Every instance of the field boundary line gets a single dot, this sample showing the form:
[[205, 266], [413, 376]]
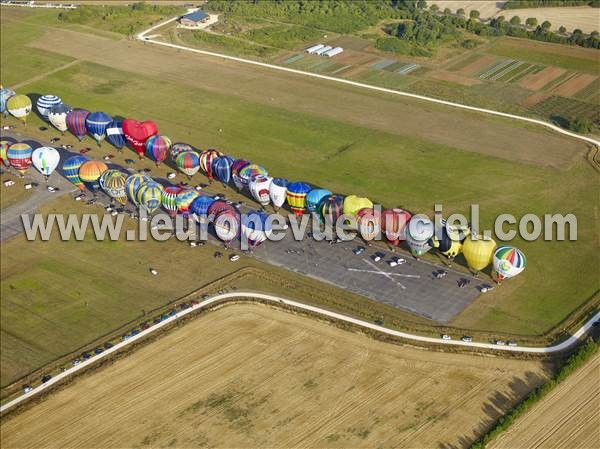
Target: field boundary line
[[44, 75], [572, 340], [142, 37]]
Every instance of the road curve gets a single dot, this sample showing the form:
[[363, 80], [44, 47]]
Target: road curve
[[573, 339], [142, 37]]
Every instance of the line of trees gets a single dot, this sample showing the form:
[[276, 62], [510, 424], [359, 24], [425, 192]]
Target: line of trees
[[517, 4]]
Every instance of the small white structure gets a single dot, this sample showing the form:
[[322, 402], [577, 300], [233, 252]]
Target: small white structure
[[314, 48], [334, 51], [322, 50]]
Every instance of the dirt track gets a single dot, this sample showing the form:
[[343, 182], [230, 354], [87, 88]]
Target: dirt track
[[250, 376], [567, 418], [464, 130]]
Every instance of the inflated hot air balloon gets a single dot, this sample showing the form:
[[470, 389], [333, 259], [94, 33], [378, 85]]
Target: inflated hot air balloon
[[451, 240], [133, 183], [227, 226], [5, 94], [71, 169], [332, 207], [207, 157], [113, 183], [76, 122], [188, 162], [45, 103], [149, 196], [250, 171], [237, 165], [368, 221], [217, 207], [19, 107], [393, 225], [4, 144], [169, 199], [259, 189], [114, 133], [90, 173], [96, 124], [296, 196], [314, 199], [478, 252], [278, 192], [19, 157], [353, 203], [508, 262], [419, 232], [178, 148], [256, 228], [157, 148], [57, 115], [184, 200], [199, 209], [222, 169], [45, 160], [137, 133]]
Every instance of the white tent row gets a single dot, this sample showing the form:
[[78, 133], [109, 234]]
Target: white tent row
[[324, 50]]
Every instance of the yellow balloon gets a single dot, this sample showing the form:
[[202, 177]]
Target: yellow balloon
[[478, 252], [353, 203]]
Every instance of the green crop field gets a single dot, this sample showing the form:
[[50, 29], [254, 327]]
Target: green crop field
[[394, 168]]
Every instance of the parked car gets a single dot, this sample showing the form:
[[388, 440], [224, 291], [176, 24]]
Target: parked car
[[171, 175], [358, 250], [75, 362], [27, 389], [135, 332], [446, 337], [85, 355], [46, 378], [467, 338], [377, 257], [98, 351], [218, 255], [108, 345], [512, 343], [440, 274], [43, 128], [80, 197], [500, 342], [234, 257]]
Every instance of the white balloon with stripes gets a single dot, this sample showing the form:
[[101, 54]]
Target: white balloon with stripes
[[45, 102]]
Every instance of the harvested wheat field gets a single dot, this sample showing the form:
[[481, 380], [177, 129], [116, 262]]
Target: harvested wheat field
[[252, 376], [569, 417], [585, 17]]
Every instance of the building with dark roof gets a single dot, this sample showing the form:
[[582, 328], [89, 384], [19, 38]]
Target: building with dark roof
[[194, 18]]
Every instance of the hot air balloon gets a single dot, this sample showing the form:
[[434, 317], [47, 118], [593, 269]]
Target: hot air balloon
[[114, 133], [256, 228], [278, 192], [332, 207], [217, 207], [57, 115], [207, 157], [259, 189], [96, 124], [450, 240], [19, 107], [222, 169], [419, 232], [137, 133], [19, 157], [71, 169], [169, 199], [368, 221], [149, 195], [296, 196], [5, 94], [478, 252], [157, 148], [184, 200], [237, 165], [76, 122], [45, 160], [250, 171], [133, 183], [199, 208], [113, 183], [227, 226], [315, 198], [393, 225], [188, 162], [90, 173], [4, 144], [178, 148], [353, 203], [508, 262], [45, 103]]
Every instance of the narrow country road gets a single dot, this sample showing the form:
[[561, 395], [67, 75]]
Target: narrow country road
[[573, 339]]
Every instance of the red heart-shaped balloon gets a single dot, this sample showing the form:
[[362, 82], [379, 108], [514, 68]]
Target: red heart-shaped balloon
[[137, 133]]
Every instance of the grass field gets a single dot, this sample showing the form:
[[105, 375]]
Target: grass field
[[339, 137], [252, 376], [13, 194], [568, 417]]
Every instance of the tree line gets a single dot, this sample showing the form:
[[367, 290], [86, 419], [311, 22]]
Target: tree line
[[518, 4]]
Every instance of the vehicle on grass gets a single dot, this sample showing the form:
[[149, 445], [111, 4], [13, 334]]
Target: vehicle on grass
[[83, 150], [379, 322], [171, 175], [98, 351], [54, 139], [198, 188], [28, 186], [135, 332], [43, 128], [125, 337], [377, 257], [484, 288], [500, 342], [114, 213], [52, 189], [75, 362], [173, 312], [462, 283], [46, 378], [446, 337], [157, 320], [440, 274], [27, 389], [359, 250], [218, 255], [9, 183], [184, 306], [512, 343], [108, 345], [80, 197], [467, 338], [153, 272], [193, 302], [129, 161], [85, 355], [234, 257]]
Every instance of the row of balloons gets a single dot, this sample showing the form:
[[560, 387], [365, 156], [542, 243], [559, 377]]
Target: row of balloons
[[143, 137]]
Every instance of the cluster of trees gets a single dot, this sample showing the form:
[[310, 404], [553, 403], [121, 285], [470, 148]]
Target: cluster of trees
[[517, 4], [584, 353]]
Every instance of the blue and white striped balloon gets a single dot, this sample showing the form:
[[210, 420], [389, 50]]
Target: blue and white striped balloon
[[96, 124], [45, 103], [114, 133]]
